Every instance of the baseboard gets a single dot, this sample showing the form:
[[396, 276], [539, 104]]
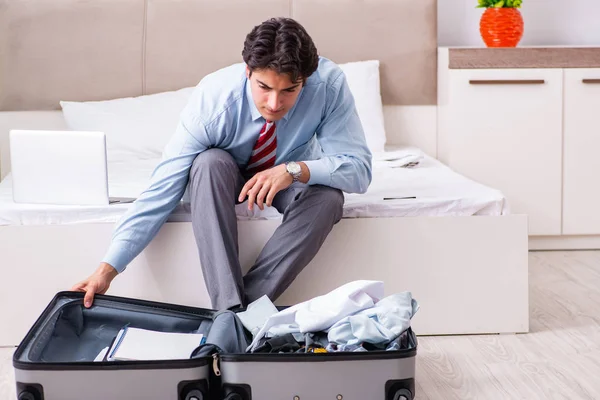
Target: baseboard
[[539, 243]]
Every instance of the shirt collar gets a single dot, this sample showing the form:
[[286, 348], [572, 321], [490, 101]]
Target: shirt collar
[[254, 111]]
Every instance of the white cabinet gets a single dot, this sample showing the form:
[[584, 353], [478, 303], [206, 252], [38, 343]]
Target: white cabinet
[[581, 192], [503, 128]]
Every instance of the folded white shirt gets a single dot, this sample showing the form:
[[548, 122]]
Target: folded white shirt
[[320, 313]]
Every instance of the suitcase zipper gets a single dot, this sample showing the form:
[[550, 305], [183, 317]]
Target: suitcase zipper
[[216, 364]]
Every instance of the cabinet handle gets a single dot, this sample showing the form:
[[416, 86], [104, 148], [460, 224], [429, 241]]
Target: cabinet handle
[[507, 81], [590, 80]]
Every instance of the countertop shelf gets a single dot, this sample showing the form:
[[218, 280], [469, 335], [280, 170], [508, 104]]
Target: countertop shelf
[[524, 57]]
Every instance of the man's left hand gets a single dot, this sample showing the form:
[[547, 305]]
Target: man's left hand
[[262, 187]]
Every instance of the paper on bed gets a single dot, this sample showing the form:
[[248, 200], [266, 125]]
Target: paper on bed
[[407, 162], [398, 158]]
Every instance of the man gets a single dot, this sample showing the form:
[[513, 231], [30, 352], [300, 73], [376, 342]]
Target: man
[[280, 129]]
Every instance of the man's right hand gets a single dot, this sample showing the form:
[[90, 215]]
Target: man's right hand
[[98, 282]]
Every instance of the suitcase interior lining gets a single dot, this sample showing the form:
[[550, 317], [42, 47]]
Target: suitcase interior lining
[[78, 334]]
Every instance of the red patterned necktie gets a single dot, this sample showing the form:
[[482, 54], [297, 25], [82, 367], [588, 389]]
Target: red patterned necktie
[[263, 154]]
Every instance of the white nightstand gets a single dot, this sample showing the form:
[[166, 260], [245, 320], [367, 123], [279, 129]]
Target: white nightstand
[[527, 122]]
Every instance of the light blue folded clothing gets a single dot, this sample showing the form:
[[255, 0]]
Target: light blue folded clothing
[[382, 323], [319, 313]]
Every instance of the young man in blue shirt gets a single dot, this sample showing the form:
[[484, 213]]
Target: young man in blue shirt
[[280, 129]]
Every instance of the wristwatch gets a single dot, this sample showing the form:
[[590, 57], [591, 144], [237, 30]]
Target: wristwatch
[[293, 168]]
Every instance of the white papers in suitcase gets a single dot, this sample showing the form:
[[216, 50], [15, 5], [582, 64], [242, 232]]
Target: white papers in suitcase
[[142, 344]]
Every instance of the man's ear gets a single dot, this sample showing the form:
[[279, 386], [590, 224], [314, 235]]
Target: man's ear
[[248, 72]]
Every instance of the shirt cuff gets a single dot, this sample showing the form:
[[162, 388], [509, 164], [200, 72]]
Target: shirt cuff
[[319, 172], [118, 257]]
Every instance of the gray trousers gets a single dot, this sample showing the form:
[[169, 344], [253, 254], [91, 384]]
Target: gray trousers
[[309, 214]]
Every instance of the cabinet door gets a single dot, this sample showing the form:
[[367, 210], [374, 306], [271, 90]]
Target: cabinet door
[[506, 133], [581, 211]]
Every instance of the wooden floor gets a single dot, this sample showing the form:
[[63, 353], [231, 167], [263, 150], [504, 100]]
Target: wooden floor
[[559, 359]]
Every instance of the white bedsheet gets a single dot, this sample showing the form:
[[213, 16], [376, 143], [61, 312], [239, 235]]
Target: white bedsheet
[[428, 189]]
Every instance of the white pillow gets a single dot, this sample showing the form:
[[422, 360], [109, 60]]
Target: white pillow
[[363, 80], [140, 127], [135, 127]]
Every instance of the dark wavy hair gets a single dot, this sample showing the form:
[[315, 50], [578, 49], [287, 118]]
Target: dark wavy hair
[[281, 44]]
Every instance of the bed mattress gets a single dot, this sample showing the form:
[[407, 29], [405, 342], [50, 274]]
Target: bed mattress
[[406, 183]]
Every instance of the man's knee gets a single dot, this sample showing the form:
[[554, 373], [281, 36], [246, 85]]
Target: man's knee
[[329, 201], [213, 161]]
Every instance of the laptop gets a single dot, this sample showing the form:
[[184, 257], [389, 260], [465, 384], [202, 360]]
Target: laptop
[[60, 167]]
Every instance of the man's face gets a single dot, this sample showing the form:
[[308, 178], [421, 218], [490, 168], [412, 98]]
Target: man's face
[[273, 94]]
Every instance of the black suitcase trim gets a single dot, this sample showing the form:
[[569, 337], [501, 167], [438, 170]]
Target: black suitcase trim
[[77, 298], [320, 357], [111, 365]]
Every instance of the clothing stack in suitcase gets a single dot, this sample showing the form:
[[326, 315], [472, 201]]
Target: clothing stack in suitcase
[[352, 343]]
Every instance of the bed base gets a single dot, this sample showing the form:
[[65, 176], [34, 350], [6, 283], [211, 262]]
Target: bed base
[[469, 274]]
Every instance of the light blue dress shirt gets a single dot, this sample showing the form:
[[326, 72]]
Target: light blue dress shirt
[[322, 129]]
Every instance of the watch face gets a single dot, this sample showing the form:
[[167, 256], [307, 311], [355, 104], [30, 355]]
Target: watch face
[[294, 168]]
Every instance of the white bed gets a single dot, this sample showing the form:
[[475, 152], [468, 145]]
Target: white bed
[[428, 189], [456, 246]]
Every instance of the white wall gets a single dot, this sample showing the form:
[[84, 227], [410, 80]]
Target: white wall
[[547, 22]]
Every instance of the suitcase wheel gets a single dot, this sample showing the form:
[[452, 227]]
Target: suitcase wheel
[[236, 392], [192, 390], [194, 395], [27, 396], [403, 394], [29, 391]]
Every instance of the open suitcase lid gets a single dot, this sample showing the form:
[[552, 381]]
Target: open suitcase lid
[[69, 336]]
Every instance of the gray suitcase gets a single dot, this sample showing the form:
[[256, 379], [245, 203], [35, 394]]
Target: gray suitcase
[[55, 360]]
